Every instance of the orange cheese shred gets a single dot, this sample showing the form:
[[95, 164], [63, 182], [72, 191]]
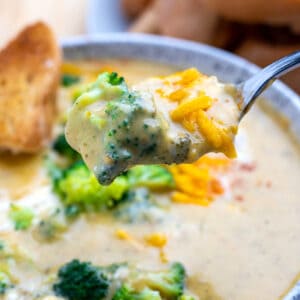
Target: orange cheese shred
[[192, 109], [199, 103], [199, 183], [156, 239]]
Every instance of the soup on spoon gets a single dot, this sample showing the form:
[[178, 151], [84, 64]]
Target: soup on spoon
[[162, 120]]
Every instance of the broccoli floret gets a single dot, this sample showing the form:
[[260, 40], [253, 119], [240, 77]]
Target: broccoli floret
[[127, 293], [81, 281], [151, 176], [68, 80], [21, 216], [120, 140], [114, 79], [108, 85], [170, 282], [61, 146], [2, 245], [54, 171], [79, 190], [5, 283], [167, 284]]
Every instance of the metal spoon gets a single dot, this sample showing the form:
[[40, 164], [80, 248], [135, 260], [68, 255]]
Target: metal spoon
[[255, 85]]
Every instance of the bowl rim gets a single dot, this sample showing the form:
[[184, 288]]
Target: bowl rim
[[181, 44], [227, 66]]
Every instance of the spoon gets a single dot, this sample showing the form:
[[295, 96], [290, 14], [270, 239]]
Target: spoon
[[115, 128], [256, 84]]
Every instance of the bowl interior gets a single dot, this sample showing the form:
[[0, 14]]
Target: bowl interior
[[226, 66]]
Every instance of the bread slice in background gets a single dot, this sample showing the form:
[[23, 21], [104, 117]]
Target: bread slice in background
[[29, 76]]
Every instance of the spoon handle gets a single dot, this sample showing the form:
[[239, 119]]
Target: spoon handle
[[255, 85]]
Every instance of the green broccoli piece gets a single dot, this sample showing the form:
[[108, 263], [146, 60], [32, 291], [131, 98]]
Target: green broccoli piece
[[54, 171], [151, 176], [186, 297], [2, 245], [166, 284], [61, 146], [81, 281], [114, 79], [79, 190], [21, 216], [107, 85], [5, 282], [68, 80], [170, 282], [127, 293], [122, 143]]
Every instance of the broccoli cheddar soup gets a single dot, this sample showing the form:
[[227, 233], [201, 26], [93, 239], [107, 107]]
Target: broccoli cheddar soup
[[218, 228], [162, 120]]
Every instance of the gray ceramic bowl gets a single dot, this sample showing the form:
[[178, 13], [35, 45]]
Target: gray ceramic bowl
[[210, 60]]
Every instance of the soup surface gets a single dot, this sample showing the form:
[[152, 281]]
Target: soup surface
[[233, 224]]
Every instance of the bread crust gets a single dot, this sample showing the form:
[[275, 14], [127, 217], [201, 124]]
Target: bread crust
[[29, 76]]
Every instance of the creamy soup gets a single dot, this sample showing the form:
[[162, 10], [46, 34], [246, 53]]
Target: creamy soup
[[233, 224], [161, 120]]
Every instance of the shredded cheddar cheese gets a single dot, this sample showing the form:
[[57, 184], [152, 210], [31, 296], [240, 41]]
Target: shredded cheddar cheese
[[215, 135], [199, 183], [122, 234], [156, 239], [188, 76], [189, 106], [193, 104], [125, 236]]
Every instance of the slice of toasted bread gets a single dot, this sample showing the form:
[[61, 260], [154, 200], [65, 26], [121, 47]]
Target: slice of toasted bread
[[29, 75]]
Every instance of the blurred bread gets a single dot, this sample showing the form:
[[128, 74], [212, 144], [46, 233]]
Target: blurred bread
[[133, 8], [187, 19], [275, 12], [260, 31], [147, 22], [29, 75]]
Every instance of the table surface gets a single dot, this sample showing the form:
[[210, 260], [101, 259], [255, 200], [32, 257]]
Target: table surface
[[66, 17]]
